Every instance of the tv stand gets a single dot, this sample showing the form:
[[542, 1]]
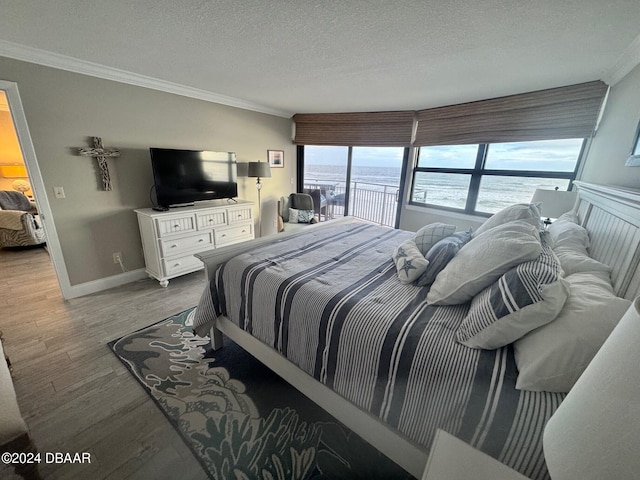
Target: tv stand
[[171, 238]]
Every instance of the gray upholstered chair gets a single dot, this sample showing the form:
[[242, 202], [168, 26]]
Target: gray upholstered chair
[[19, 222], [298, 201]]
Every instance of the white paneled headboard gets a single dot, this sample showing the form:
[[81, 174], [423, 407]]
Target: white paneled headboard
[[611, 215]]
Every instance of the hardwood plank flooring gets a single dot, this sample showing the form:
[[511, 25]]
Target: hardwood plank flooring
[[74, 394]]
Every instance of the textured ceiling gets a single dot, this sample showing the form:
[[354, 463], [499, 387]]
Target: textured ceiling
[[290, 56]]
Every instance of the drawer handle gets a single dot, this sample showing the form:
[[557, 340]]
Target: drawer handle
[[176, 226], [239, 215], [243, 231], [211, 220], [224, 234], [174, 245], [201, 240], [177, 264]]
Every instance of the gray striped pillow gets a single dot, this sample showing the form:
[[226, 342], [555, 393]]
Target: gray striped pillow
[[441, 254], [526, 297]]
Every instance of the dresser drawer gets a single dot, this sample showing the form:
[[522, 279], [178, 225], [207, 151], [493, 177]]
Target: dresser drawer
[[176, 246], [240, 214], [180, 264], [211, 219], [233, 234], [177, 224]]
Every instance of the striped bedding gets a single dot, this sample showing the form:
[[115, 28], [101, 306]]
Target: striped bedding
[[330, 301]]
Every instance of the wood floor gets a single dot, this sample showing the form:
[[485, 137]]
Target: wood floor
[[74, 394]]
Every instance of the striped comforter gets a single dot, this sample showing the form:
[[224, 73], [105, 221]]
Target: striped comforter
[[330, 301]]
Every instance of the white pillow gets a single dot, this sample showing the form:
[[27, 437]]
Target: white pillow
[[570, 216], [577, 261], [528, 212], [431, 234], [526, 297], [568, 234], [483, 260], [410, 263], [552, 357]]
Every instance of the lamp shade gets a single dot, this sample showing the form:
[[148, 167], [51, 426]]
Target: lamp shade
[[554, 202], [259, 169], [595, 433]]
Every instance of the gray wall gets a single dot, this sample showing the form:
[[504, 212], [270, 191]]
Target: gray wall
[[64, 109]]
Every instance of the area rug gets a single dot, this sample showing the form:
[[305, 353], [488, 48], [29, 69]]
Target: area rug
[[240, 419]]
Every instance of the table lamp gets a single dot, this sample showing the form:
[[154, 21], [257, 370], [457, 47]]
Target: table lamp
[[595, 433], [554, 202]]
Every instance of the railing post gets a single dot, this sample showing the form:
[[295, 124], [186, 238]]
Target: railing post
[[384, 205]]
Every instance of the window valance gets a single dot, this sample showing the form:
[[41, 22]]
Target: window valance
[[370, 129], [565, 112]]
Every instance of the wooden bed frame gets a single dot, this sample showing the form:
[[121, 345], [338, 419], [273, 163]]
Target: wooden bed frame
[[610, 214]]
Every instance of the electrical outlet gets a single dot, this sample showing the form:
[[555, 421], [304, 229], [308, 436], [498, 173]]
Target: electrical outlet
[[117, 257]]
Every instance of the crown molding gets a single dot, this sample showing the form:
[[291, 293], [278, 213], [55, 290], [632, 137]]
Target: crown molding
[[627, 62], [70, 64]]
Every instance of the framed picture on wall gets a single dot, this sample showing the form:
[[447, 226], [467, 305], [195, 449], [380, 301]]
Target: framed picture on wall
[[634, 158], [276, 158]]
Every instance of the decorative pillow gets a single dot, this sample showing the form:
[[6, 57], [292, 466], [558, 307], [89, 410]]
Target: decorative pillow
[[300, 216], [528, 212], [441, 254], [565, 233], [526, 297], [483, 260], [569, 217], [431, 234], [577, 261], [551, 358], [409, 261]]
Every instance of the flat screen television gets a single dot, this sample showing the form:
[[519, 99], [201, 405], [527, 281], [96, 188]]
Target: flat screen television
[[183, 177]]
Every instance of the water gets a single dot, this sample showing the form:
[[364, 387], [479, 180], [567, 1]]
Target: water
[[338, 173], [444, 189]]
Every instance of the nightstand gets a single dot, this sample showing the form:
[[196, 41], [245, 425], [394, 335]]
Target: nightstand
[[453, 459]]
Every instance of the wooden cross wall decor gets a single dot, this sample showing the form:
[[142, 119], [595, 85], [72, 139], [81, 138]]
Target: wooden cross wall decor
[[101, 154]]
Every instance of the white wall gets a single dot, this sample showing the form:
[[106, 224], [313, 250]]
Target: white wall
[[612, 143]]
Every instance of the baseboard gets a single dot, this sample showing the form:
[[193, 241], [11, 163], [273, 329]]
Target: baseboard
[[105, 283]]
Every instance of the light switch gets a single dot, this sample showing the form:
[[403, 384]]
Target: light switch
[[59, 192]]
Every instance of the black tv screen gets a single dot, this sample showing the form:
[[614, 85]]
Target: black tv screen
[[186, 176]]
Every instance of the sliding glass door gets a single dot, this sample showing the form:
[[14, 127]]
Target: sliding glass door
[[359, 181]]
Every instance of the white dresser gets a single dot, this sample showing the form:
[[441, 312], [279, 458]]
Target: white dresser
[[169, 239]]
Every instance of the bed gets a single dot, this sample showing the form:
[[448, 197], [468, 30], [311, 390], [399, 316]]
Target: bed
[[375, 353]]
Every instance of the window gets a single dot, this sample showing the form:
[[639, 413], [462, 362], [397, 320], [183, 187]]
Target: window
[[484, 178]]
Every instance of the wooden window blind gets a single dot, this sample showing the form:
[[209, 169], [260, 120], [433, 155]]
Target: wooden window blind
[[564, 112], [370, 129]]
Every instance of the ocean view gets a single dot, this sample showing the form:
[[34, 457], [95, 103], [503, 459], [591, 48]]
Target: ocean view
[[444, 189]]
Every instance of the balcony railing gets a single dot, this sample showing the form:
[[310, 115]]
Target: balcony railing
[[374, 202]]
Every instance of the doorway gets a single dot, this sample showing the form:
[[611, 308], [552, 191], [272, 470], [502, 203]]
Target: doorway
[[12, 104]]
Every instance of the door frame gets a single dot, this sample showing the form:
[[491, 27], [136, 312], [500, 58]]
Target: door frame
[[37, 185]]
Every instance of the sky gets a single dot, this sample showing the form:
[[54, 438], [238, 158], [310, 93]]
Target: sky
[[550, 155]]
